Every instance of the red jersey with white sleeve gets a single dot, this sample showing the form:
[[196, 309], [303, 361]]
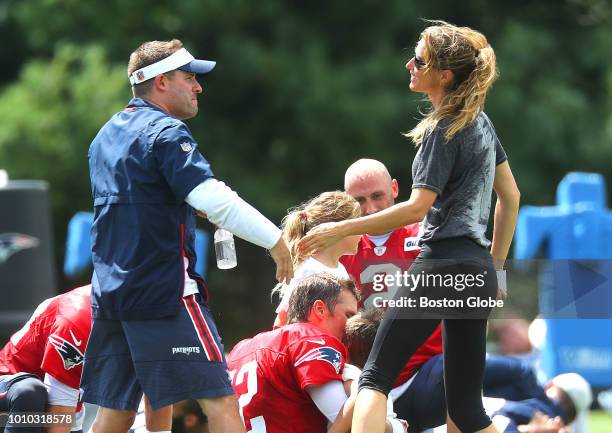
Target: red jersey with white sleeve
[[270, 373], [53, 340], [369, 266]]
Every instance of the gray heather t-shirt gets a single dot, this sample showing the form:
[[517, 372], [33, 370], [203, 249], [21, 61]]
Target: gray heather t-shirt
[[461, 171]]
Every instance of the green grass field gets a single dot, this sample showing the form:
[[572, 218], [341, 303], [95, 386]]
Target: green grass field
[[600, 422]]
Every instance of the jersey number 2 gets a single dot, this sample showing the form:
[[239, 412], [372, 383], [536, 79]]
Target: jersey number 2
[[258, 425]]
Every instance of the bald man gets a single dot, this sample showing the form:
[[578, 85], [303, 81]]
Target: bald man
[[381, 254], [370, 183]]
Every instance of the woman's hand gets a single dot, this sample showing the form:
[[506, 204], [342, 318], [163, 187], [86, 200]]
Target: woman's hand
[[282, 257], [320, 237]]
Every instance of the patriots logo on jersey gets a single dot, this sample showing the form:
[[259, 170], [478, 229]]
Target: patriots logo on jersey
[[328, 354], [70, 354], [11, 243], [379, 251]]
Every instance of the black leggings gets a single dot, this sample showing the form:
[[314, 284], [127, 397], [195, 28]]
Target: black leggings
[[401, 334]]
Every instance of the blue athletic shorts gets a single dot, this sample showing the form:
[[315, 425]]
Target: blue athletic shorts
[[170, 359], [423, 404]]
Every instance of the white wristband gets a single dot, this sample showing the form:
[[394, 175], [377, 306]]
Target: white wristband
[[501, 280]]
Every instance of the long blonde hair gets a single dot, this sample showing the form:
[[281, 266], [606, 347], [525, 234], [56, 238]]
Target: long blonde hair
[[330, 206], [469, 56]]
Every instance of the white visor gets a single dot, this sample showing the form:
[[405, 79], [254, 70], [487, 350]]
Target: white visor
[[180, 59]]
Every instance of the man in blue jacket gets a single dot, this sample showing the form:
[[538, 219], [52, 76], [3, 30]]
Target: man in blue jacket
[[152, 330]]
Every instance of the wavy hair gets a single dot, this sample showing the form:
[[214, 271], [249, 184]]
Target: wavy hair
[[469, 56], [327, 207]]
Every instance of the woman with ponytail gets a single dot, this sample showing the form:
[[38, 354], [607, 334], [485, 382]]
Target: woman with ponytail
[[326, 207], [459, 162]]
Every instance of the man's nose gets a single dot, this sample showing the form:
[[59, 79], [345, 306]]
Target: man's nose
[[368, 208]]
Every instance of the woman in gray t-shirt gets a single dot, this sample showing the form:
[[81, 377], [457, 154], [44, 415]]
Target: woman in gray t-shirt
[[459, 162]]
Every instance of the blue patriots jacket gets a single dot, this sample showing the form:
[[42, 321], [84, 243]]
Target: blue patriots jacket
[[142, 165]]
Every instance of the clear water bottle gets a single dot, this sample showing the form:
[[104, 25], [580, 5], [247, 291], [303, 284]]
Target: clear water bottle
[[225, 249]]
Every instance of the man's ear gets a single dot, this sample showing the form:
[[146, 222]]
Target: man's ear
[[318, 309], [395, 188], [160, 82]]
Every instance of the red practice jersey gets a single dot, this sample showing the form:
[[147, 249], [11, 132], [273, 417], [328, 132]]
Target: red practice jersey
[[270, 373], [53, 340], [393, 257]]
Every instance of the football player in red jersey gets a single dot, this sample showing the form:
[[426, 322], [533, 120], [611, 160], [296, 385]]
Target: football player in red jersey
[[47, 352], [289, 380], [41, 365], [380, 254], [370, 183]]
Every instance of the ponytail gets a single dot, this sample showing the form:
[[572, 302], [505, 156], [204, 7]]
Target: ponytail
[[327, 207]]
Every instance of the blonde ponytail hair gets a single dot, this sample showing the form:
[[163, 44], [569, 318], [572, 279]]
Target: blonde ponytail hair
[[469, 56], [330, 206]]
